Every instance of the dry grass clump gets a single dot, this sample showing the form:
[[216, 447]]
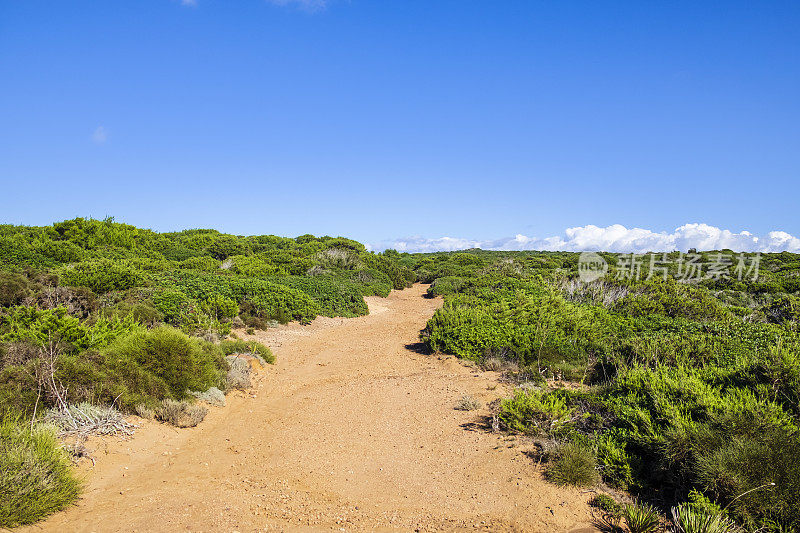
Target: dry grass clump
[[338, 258], [85, 418], [212, 396], [239, 373], [600, 292], [467, 403], [145, 412], [180, 414], [492, 363], [318, 270]]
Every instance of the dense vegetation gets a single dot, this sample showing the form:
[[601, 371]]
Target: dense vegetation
[[688, 390], [681, 389], [96, 312]]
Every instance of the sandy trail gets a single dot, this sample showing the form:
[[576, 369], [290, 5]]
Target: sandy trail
[[351, 430]]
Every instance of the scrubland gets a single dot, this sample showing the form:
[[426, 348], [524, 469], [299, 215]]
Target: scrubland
[[96, 313], [681, 393], [676, 400]]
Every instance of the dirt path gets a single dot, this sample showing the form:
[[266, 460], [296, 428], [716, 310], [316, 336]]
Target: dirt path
[[350, 430]]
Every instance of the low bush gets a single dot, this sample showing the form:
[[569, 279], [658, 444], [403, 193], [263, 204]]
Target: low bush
[[492, 364], [238, 376], [607, 504], [335, 297], [35, 475], [446, 285], [641, 518], [141, 312], [14, 289], [79, 302], [145, 412], [239, 346], [370, 282], [257, 297], [400, 276], [467, 403], [212, 396], [179, 361], [40, 326], [535, 411], [180, 414], [572, 464], [173, 304]]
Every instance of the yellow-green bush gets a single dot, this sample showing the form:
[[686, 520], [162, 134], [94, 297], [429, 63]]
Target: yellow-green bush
[[35, 475]]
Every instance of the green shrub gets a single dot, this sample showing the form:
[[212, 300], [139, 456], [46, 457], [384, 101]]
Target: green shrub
[[14, 288], [173, 304], [140, 312], [35, 475], [572, 464], [446, 285], [702, 503], [370, 282], [101, 275], [256, 297], [220, 307], [607, 504], [615, 462], [181, 362], [533, 411], [79, 302], [39, 326], [400, 276], [335, 297], [338, 258], [255, 266], [207, 264]]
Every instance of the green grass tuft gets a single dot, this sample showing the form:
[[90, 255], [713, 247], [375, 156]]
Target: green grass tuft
[[572, 464], [35, 475], [641, 518]]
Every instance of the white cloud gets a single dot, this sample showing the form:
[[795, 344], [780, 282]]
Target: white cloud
[[100, 135], [614, 238]]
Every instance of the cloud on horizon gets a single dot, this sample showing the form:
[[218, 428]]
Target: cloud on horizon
[[614, 238]]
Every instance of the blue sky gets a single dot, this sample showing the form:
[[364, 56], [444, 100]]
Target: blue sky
[[383, 119]]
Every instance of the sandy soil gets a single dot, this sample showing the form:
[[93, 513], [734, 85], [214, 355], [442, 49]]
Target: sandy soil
[[352, 429]]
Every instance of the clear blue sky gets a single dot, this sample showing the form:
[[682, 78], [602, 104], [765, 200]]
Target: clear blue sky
[[378, 119]]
